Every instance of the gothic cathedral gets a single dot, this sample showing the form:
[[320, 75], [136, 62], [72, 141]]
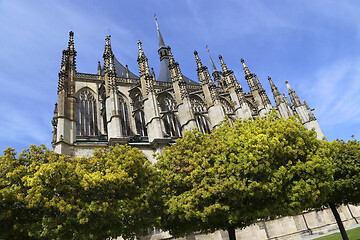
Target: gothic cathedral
[[116, 106]]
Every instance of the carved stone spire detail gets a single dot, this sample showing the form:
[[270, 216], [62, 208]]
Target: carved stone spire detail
[[277, 95], [293, 96]]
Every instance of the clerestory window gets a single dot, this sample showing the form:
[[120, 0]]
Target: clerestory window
[[86, 124]]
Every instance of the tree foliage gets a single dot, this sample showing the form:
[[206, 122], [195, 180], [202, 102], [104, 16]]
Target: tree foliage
[[346, 156], [345, 190], [238, 175], [44, 195]]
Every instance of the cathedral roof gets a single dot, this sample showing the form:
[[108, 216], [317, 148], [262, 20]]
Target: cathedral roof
[[120, 70], [164, 75]]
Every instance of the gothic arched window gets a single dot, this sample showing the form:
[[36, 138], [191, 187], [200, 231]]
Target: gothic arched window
[[197, 105], [202, 123], [124, 117], [140, 123], [172, 125], [86, 124], [137, 103], [167, 103], [228, 109]]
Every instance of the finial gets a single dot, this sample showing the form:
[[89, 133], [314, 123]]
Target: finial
[[107, 40], [127, 71], [246, 69], [71, 40], [161, 40], [99, 68], [198, 61], [141, 51], [153, 73]]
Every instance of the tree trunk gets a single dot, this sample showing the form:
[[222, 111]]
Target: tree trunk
[[339, 222], [231, 231]]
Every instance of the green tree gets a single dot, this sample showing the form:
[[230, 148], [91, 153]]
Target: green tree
[[346, 157], [235, 176], [50, 196]]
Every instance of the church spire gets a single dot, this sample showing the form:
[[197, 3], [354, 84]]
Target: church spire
[[215, 73], [213, 67], [277, 95], [164, 75], [161, 40], [249, 77], [293, 96]]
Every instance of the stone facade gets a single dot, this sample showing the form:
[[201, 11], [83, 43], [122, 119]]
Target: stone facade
[[116, 106]]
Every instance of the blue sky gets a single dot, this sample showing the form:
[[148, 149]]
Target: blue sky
[[315, 45]]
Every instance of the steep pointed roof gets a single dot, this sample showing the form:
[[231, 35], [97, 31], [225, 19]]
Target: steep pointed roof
[[164, 75], [120, 70]]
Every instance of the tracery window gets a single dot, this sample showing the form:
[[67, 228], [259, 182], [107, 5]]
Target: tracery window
[[202, 123], [228, 109], [171, 122], [86, 124], [124, 117], [167, 103], [137, 103], [197, 105], [172, 125], [140, 123]]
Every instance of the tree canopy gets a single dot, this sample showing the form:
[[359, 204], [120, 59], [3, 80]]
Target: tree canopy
[[240, 174], [346, 156], [44, 195], [345, 189]]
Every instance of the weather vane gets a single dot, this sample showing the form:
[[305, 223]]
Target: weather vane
[[155, 16]]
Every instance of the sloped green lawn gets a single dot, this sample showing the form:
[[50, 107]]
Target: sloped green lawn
[[353, 234]]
